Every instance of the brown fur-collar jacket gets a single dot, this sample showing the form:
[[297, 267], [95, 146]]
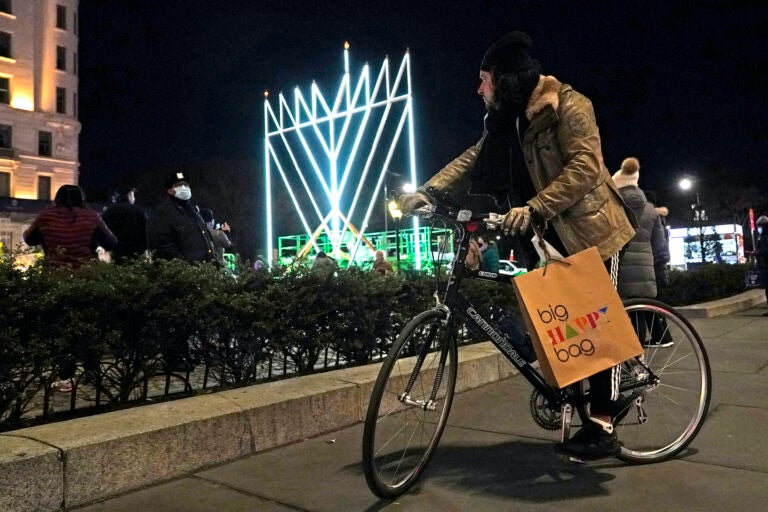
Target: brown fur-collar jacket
[[562, 151]]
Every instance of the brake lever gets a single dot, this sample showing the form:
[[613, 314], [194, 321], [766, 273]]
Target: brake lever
[[493, 221], [425, 211]]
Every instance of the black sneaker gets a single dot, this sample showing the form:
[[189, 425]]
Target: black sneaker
[[658, 344], [591, 443]]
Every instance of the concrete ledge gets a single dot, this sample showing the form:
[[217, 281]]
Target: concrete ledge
[[740, 302], [31, 475], [88, 459]]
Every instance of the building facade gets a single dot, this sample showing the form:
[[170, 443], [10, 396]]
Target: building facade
[[39, 130]]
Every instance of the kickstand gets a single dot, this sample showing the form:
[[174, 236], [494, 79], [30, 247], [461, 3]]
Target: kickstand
[[565, 428], [565, 431]]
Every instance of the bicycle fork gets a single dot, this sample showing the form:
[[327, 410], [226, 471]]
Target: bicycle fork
[[431, 404]]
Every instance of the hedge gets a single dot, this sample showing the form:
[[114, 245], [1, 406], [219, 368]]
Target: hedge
[[127, 323], [705, 283]]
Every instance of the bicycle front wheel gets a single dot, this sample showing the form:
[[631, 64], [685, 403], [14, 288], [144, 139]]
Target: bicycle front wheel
[[409, 404], [660, 419]]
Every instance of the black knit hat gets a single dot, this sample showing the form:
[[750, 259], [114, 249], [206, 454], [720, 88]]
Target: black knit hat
[[174, 178], [509, 54]]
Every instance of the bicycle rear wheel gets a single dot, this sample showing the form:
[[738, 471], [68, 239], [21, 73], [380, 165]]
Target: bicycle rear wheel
[[409, 404], [658, 420]]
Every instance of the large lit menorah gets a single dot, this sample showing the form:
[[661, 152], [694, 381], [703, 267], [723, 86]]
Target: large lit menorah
[[333, 154]]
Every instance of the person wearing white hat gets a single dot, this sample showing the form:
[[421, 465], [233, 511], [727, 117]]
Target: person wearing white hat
[[637, 272], [629, 174]]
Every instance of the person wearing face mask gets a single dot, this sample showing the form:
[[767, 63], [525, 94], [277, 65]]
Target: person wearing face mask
[[761, 252], [540, 158], [490, 254], [176, 229], [128, 222]]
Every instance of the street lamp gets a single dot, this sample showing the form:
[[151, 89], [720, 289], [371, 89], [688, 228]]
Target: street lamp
[[699, 215], [391, 192], [397, 214]]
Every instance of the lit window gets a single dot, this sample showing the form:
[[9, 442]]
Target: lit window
[[5, 6], [61, 100], [61, 17], [44, 188], [5, 90], [44, 143], [5, 44], [6, 136], [61, 58]]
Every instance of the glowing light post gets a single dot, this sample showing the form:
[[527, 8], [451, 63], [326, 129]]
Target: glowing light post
[[322, 144], [394, 210]]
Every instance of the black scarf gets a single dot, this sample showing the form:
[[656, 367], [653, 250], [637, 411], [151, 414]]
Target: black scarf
[[491, 172], [500, 156]]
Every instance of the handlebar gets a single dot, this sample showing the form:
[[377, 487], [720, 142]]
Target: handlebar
[[446, 207], [491, 220]]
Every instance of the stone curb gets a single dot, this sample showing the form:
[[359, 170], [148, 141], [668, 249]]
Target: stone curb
[[740, 302], [71, 463]]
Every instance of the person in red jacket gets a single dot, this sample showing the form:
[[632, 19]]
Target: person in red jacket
[[68, 231]]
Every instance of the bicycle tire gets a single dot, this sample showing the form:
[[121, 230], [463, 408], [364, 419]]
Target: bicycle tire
[[656, 422], [400, 438]]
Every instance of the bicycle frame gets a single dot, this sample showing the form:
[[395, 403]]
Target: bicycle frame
[[453, 301]]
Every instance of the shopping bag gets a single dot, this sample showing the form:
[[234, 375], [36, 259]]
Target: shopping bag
[[575, 317]]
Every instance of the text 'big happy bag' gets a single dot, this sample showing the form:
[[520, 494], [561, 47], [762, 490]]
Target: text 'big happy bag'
[[575, 318]]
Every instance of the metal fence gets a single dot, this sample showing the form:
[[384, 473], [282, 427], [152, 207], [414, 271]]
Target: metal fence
[[33, 395]]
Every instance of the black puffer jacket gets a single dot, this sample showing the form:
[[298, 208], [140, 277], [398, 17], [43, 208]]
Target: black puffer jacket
[[637, 277]]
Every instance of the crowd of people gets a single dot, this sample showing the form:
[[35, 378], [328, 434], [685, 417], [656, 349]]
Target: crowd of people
[[70, 233]]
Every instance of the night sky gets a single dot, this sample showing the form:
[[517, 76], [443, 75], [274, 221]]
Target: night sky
[[680, 85]]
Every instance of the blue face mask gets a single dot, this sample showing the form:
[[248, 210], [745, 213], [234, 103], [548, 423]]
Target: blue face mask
[[182, 192], [760, 230]]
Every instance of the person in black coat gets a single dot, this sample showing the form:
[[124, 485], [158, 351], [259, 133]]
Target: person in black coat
[[660, 335], [128, 222], [761, 252], [176, 229]]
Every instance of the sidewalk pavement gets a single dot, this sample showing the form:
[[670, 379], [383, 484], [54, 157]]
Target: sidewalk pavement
[[492, 455]]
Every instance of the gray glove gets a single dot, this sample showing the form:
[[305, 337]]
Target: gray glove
[[517, 221], [409, 202]]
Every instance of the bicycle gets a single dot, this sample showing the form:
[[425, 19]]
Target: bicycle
[[665, 393]]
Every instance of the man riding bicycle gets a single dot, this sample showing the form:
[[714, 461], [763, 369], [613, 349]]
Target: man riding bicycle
[[540, 158]]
